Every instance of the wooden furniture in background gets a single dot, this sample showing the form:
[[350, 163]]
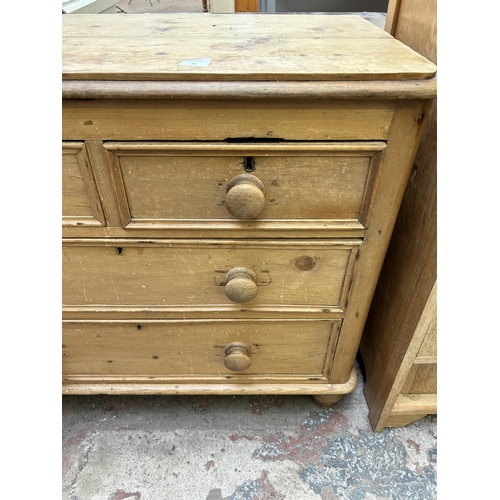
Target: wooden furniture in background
[[399, 348], [246, 5], [227, 209]]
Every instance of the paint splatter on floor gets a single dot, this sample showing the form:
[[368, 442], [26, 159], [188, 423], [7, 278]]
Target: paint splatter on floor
[[354, 466], [258, 489], [122, 495], [241, 448], [337, 464]]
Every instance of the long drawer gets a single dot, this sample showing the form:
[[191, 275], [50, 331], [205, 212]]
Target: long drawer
[[132, 272], [223, 350]]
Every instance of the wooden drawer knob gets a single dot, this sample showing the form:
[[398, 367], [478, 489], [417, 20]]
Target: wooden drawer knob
[[241, 284], [245, 196], [237, 358]]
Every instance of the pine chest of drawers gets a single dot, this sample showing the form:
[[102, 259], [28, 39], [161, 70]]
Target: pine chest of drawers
[[230, 185]]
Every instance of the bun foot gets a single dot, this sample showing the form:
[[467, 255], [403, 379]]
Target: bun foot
[[326, 401]]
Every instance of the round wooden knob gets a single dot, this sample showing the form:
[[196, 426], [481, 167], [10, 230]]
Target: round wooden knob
[[241, 284], [237, 358], [245, 196]]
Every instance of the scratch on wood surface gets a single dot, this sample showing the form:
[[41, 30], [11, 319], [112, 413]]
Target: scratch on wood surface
[[282, 289], [199, 291], [112, 280], [114, 288]]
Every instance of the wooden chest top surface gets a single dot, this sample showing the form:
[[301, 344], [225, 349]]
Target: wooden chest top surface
[[239, 47]]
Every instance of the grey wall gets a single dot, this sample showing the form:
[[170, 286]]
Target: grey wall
[[331, 5]]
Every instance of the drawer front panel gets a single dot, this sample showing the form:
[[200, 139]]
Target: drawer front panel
[[163, 349], [80, 201], [169, 183], [216, 120], [193, 272]]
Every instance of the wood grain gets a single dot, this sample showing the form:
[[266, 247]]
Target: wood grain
[[160, 120], [410, 408], [122, 385], [156, 349], [246, 5], [245, 196], [237, 357], [249, 47], [203, 91], [189, 181], [103, 180], [395, 166], [200, 312], [396, 357], [415, 26], [332, 136], [421, 379], [81, 205], [235, 27], [284, 228], [173, 272], [404, 308], [241, 284], [429, 345]]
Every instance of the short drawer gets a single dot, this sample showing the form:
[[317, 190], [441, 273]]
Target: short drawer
[[218, 349], [81, 205], [207, 273], [169, 185]]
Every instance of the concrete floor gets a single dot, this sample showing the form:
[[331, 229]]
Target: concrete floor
[[241, 447]]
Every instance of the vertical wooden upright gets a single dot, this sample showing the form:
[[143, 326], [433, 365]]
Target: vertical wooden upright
[[399, 348]]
